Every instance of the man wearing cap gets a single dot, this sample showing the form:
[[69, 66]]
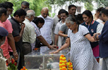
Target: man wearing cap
[[3, 34]]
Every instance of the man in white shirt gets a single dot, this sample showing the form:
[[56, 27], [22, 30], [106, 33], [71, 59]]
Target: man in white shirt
[[46, 30], [59, 38], [29, 35], [98, 18]]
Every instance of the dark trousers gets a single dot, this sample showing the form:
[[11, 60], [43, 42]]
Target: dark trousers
[[26, 48]]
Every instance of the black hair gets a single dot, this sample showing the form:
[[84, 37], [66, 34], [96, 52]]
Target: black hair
[[79, 17], [60, 11], [64, 11], [105, 11], [8, 5], [88, 13], [25, 3], [99, 9], [70, 6], [3, 6], [38, 20], [1, 37], [3, 10], [20, 12]]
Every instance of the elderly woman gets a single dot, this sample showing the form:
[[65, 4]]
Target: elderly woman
[[81, 54]]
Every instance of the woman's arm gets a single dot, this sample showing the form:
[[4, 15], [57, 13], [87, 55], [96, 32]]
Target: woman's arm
[[90, 38], [67, 43], [62, 34]]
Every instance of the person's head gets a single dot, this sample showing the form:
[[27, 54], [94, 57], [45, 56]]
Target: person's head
[[79, 18], [60, 13], [44, 12], [3, 34], [63, 15], [72, 23], [30, 15], [3, 14], [104, 14], [72, 9], [9, 7], [19, 15], [87, 16], [98, 12], [39, 22], [24, 5]]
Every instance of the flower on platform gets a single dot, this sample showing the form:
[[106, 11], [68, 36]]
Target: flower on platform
[[24, 68]]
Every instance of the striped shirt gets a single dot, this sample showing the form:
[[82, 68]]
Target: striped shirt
[[37, 31]]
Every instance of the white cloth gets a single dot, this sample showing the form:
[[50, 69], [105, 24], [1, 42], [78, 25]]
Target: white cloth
[[81, 54], [57, 29], [9, 17], [100, 26], [29, 34], [2, 61], [46, 30], [43, 49]]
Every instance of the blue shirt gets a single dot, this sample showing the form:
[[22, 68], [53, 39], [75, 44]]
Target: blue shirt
[[103, 43], [92, 29]]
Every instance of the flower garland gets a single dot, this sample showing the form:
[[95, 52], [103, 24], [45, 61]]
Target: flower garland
[[64, 65]]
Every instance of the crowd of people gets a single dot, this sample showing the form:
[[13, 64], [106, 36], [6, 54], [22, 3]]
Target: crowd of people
[[85, 35]]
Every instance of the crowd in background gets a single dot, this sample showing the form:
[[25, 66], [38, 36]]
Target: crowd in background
[[85, 35]]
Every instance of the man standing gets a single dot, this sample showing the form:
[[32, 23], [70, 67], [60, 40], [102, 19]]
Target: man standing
[[46, 30], [29, 35], [9, 7], [72, 10], [18, 29], [103, 40], [25, 5], [59, 37]]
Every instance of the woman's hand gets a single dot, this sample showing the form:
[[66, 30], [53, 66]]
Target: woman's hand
[[55, 52], [53, 47]]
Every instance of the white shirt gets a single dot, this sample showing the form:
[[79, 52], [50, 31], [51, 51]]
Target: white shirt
[[29, 34], [46, 30], [57, 29], [100, 26], [9, 17]]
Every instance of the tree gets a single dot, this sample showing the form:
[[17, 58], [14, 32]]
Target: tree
[[35, 5], [88, 6]]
